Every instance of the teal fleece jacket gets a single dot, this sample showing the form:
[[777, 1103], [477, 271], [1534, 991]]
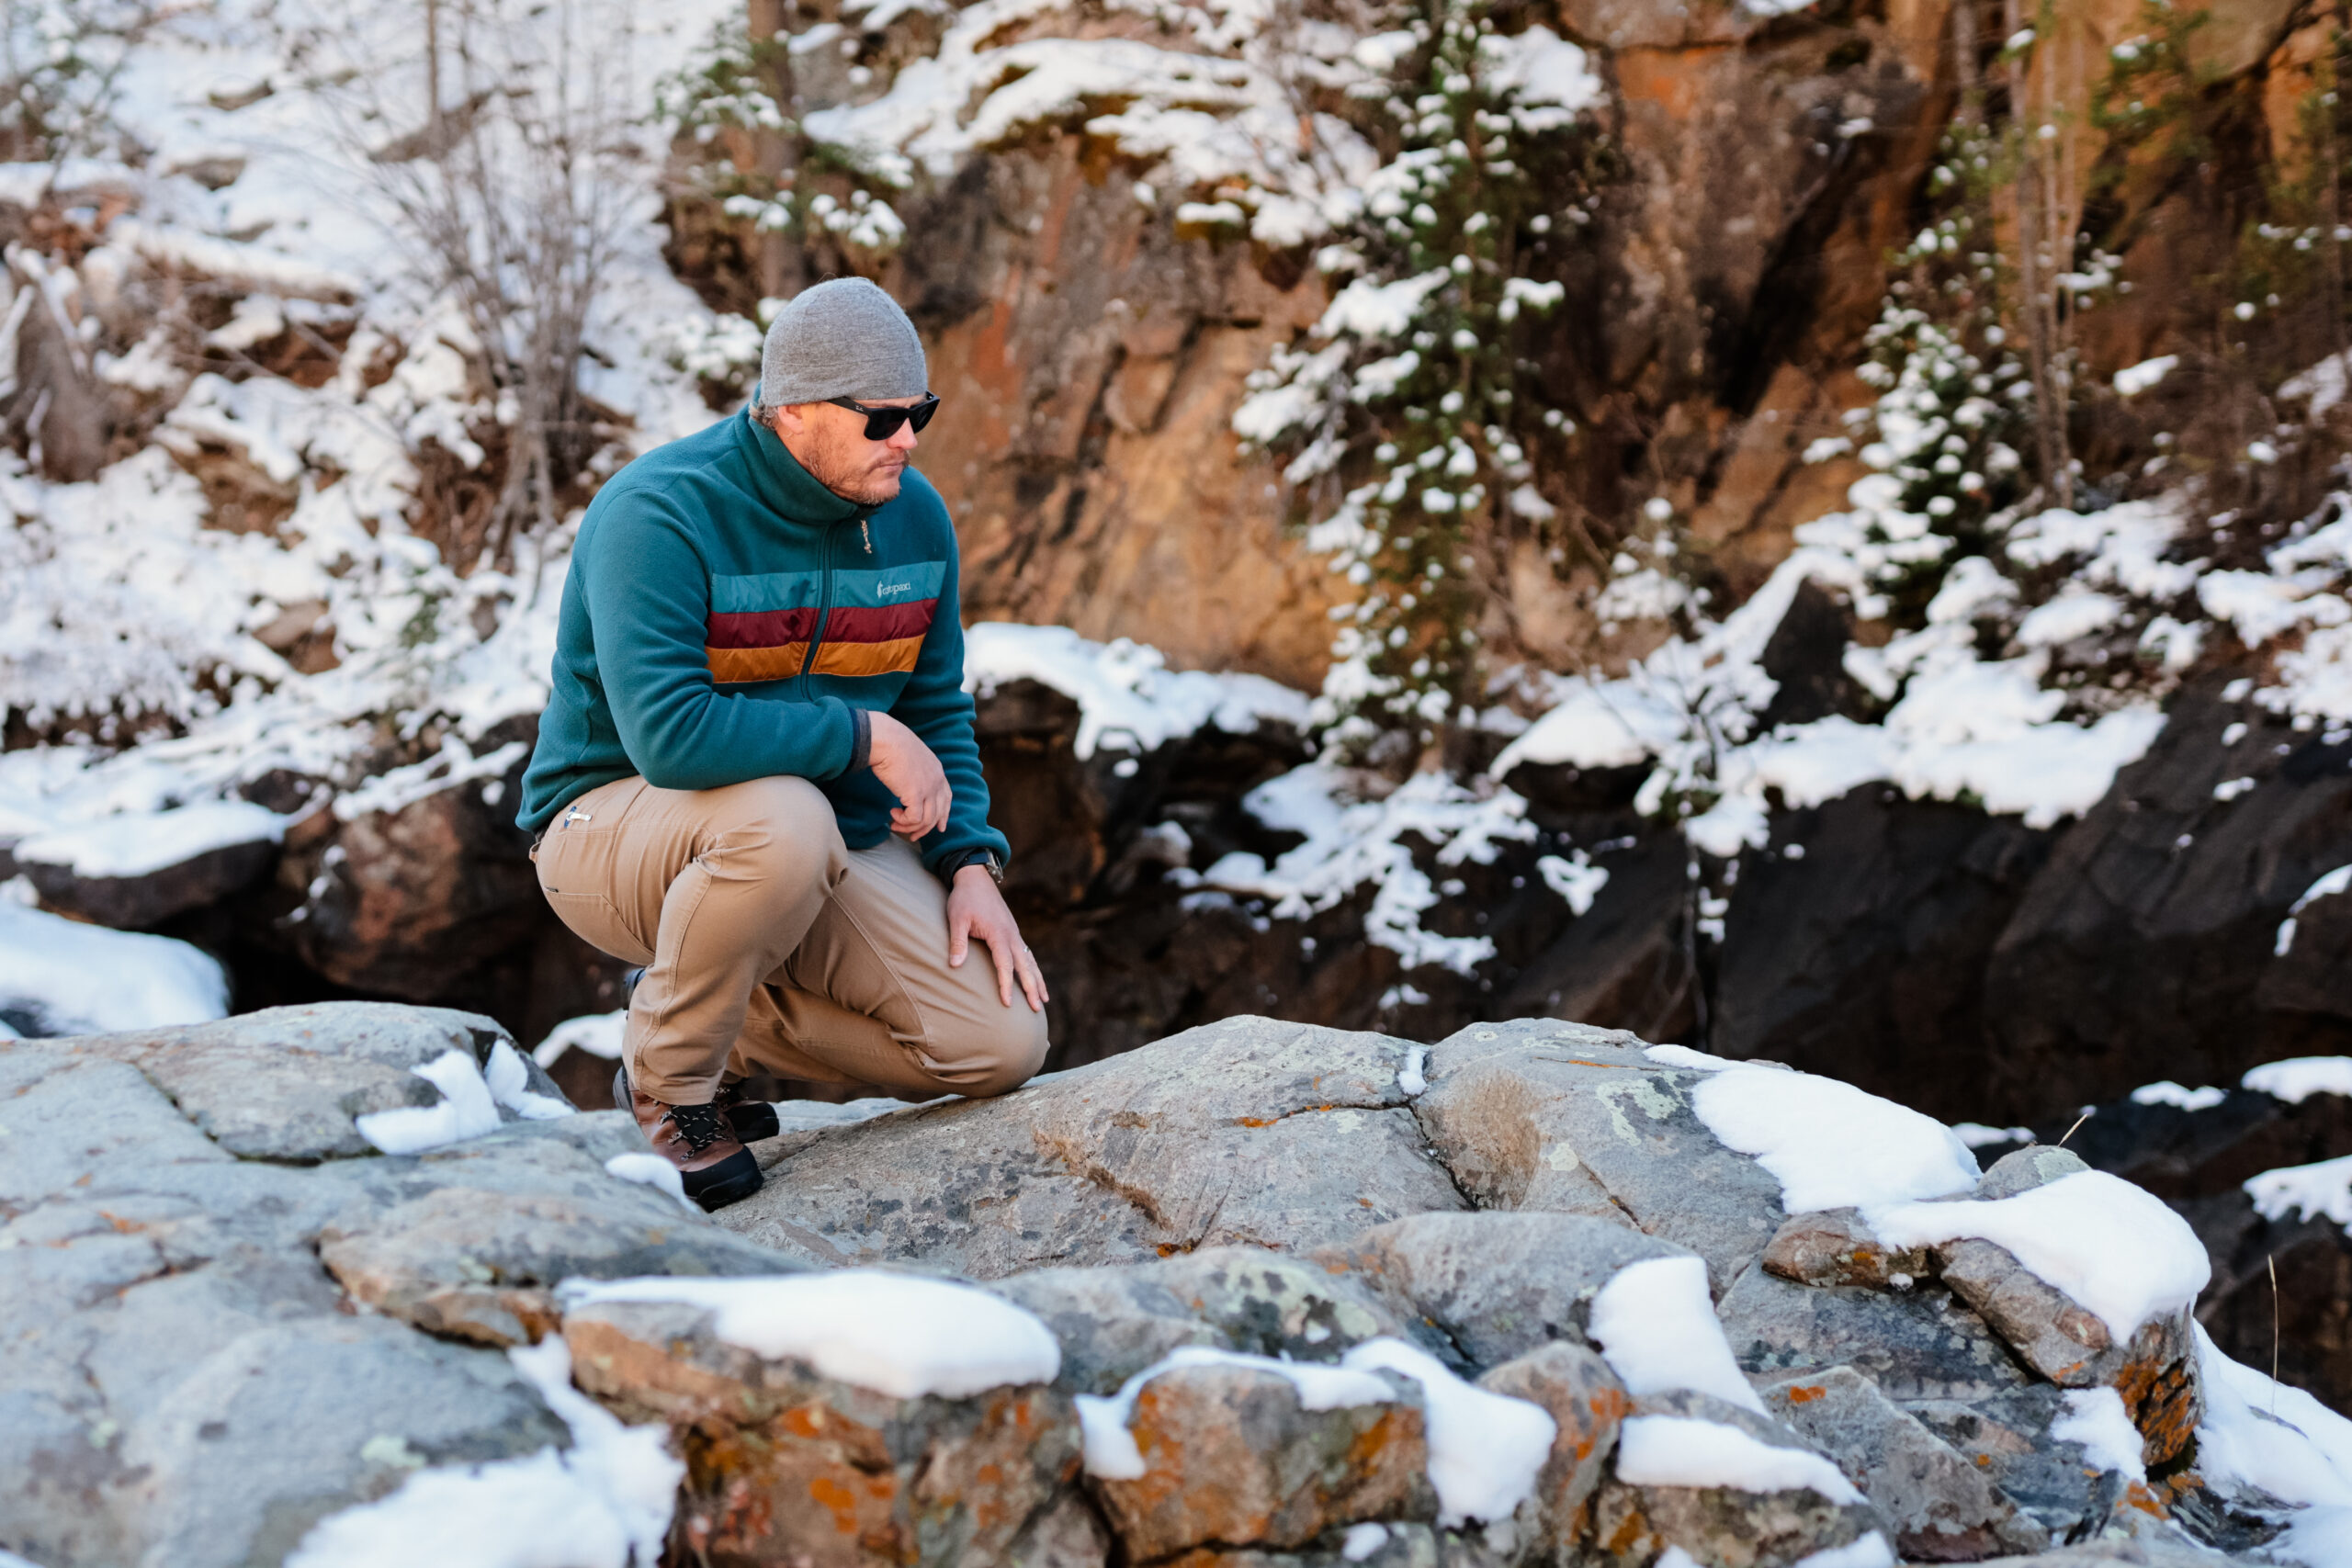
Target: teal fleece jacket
[[727, 617]]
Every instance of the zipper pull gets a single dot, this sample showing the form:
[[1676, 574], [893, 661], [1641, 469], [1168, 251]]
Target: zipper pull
[[865, 535]]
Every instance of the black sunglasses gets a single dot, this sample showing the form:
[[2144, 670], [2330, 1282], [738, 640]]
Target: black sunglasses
[[881, 424]]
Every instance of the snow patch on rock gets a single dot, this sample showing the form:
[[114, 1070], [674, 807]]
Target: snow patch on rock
[[897, 1334], [1656, 1328], [2120, 1252]]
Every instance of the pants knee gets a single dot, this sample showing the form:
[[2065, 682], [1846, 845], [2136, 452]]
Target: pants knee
[[1007, 1056], [781, 824]]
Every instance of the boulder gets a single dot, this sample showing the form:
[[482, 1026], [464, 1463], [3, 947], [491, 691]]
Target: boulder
[[414, 890], [1635, 1522], [1495, 1285], [1835, 1246], [82, 873], [1232, 1456], [1585, 1402], [1541, 1115], [2006, 1437], [1113, 1323], [2071, 1346], [478, 1254], [1248, 1133], [1924, 1343], [178, 1376], [786, 1466], [180, 1379], [1942, 1507], [289, 1083]]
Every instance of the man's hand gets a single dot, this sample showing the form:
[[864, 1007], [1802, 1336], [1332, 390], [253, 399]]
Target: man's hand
[[975, 908], [908, 770]]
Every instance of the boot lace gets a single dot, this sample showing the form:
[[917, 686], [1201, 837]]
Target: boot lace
[[700, 1125]]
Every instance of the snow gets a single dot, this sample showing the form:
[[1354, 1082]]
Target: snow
[[1830, 1144], [465, 1109], [2167, 1092], [1128, 699], [1409, 1079], [2134, 380], [604, 1502], [1867, 1551], [598, 1033], [1681, 1450], [1574, 877], [1109, 1446], [510, 1084], [1549, 77], [2324, 1189], [1656, 1328], [1485, 1450], [2327, 886], [60, 976], [1356, 1542], [140, 844], [897, 1333], [2095, 1419], [2263, 1434], [2120, 1253], [1351, 841], [651, 1170], [1977, 1134], [1961, 726], [2297, 1078]]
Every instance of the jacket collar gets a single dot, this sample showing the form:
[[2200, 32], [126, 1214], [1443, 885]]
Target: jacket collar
[[787, 489]]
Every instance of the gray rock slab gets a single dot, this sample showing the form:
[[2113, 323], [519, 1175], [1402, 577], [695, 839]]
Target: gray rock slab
[[1544, 1115], [1495, 1285], [1634, 1524], [2006, 1436], [1919, 1343], [181, 1383], [470, 1240], [1942, 1506], [287, 1083], [1247, 1132], [1113, 1323]]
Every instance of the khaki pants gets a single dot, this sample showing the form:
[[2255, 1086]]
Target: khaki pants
[[769, 944]]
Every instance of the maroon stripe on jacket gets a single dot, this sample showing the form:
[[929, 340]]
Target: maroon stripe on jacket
[[761, 628], [889, 622]]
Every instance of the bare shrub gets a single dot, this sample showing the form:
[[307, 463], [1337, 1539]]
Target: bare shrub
[[503, 170]]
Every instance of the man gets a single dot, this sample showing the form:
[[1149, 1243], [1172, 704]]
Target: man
[[756, 775]]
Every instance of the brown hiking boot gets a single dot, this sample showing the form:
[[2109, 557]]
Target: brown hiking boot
[[752, 1119], [710, 1159]]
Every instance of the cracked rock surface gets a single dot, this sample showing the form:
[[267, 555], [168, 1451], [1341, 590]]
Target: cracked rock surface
[[224, 1317]]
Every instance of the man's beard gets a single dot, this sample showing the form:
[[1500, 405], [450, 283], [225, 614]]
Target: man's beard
[[852, 479]]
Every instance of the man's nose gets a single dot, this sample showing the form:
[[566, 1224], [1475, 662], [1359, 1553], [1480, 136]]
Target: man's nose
[[903, 438]]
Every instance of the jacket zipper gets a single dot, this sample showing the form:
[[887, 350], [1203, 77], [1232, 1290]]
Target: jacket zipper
[[825, 613]]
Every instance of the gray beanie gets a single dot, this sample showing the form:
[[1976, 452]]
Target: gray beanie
[[843, 338]]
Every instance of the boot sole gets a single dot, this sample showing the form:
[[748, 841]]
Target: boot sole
[[725, 1183]]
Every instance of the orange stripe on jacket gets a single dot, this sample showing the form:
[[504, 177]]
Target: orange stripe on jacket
[[894, 658], [731, 665]]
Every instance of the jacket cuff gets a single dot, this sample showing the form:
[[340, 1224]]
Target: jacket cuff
[[949, 865], [861, 738]]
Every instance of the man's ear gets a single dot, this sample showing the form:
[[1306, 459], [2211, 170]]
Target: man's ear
[[788, 419]]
